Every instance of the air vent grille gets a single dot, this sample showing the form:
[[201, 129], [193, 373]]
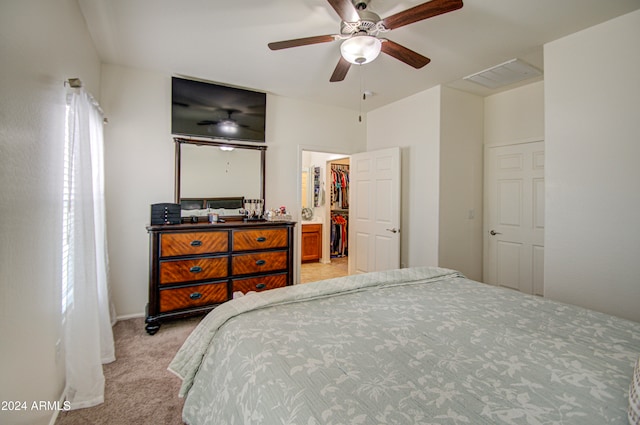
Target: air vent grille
[[510, 72]]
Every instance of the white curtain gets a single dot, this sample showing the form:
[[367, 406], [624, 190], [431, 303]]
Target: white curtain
[[87, 310]]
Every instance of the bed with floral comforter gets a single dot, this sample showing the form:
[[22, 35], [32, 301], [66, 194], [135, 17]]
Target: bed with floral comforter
[[409, 346]]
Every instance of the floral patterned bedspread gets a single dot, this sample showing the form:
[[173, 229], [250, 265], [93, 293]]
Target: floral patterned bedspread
[[410, 346]]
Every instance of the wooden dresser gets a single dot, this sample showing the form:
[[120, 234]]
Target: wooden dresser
[[195, 267]]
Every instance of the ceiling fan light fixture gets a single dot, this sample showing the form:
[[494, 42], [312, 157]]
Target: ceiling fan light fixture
[[360, 49]]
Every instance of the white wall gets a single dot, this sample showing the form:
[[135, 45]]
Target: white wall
[[461, 176], [592, 238], [42, 43], [140, 164], [413, 124], [515, 115]]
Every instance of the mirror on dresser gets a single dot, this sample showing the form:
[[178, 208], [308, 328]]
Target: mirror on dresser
[[217, 173]]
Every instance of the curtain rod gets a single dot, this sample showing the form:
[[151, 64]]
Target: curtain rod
[[76, 83]]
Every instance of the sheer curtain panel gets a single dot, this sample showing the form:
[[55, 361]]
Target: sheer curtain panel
[[87, 311]]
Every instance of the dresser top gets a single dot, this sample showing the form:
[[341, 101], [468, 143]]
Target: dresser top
[[215, 226]]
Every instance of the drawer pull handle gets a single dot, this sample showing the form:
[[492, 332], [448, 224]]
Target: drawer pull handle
[[195, 269], [196, 243], [261, 286], [261, 239], [261, 262], [195, 296]]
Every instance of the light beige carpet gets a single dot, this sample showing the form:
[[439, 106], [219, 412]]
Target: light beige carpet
[[139, 389]]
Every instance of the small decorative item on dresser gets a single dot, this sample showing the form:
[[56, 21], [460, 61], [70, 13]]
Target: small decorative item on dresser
[[165, 213], [253, 209], [277, 215]]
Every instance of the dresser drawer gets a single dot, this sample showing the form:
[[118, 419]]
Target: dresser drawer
[[173, 244], [192, 296], [188, 270], [259, 262], [259, 283], [247, 240]]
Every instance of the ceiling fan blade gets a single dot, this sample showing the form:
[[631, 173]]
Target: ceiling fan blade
[[341, 70], [301, 42], [403, 54], [420, 12], [345, 9]]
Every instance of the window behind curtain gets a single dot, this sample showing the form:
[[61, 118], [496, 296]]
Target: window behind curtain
[[67, 219]]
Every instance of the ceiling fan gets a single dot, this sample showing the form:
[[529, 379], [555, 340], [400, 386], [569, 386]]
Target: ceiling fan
[[360, 29]]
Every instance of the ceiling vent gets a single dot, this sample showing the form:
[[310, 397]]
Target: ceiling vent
[[504, 74]]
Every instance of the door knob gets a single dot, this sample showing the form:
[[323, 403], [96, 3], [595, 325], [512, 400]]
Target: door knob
[[493, 233], [394, 230]]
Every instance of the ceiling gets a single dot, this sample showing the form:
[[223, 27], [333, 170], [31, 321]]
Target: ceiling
[[225, 41]]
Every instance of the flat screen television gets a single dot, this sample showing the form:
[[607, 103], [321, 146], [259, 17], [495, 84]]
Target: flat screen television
[[214, 111]]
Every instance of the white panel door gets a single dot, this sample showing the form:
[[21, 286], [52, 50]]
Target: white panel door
[[374, 211], [514, 225]]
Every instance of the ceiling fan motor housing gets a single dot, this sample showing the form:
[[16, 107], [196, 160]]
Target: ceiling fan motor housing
[[367, 24]]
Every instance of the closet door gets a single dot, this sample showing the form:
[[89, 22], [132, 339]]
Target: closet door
[[374, 227], [514, 217]]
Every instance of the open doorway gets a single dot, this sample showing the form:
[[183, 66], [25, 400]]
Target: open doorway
[[324, 203]]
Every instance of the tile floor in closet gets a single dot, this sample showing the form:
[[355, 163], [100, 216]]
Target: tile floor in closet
[[311, 272]]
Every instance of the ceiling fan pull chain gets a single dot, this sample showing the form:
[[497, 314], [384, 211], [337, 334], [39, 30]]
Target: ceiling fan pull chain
[[361, 93]]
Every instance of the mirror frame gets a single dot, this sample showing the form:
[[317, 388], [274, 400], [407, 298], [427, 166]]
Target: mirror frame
[[178, 166]]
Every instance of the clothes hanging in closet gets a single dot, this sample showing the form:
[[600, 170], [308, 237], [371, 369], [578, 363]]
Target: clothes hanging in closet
[[339, 232], [339, 203], [340, 186]]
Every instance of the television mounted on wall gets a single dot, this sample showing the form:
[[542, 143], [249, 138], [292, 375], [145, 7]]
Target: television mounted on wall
[[215, 111]]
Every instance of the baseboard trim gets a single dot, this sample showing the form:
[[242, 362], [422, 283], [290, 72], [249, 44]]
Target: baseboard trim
[[130, 316], [54, 417]]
